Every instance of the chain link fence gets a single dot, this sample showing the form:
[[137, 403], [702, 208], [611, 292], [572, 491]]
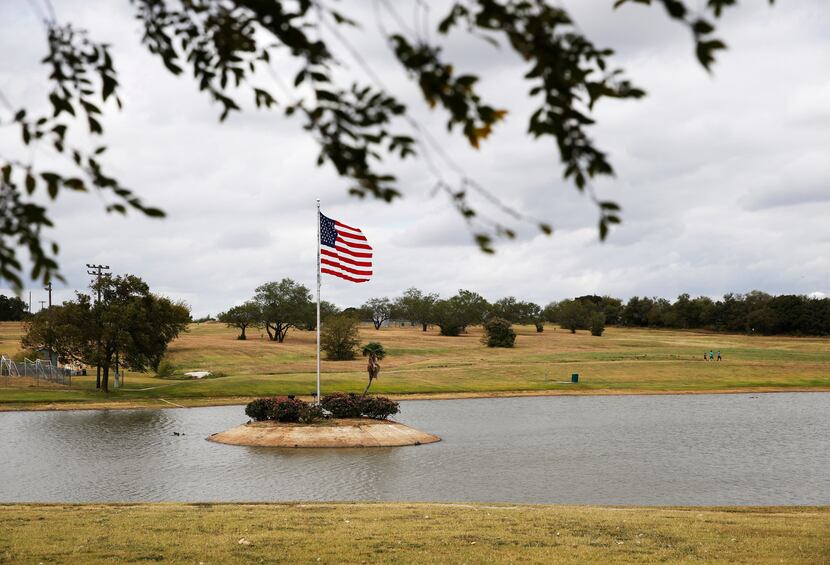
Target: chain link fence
[[39, 370]]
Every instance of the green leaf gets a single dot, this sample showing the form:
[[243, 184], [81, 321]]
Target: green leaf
[[154, 212], [171, 66], [75, 184]]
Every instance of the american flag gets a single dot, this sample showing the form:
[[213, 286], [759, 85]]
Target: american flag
[[344, 251]]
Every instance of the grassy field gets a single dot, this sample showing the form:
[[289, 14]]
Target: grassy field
[[409, 533], [622, 361]]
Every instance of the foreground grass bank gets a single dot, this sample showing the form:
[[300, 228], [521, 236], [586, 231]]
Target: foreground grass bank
[[624, 360], [409, 533]]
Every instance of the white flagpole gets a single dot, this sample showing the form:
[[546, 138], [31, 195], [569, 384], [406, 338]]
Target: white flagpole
[[318, 301]]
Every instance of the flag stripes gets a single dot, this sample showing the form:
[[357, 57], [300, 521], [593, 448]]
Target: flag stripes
[[344, 251]]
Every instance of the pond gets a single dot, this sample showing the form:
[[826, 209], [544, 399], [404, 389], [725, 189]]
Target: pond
[[765, 449]]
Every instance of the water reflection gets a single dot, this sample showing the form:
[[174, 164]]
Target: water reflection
[[715, 449]]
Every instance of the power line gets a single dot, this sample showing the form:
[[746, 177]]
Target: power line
[[97, 271]]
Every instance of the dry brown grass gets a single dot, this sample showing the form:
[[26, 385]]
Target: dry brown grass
[[624, 360], [410, 533]]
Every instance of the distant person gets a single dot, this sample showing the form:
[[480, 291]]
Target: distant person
[[705, 358], [719, 357], [711, 355]]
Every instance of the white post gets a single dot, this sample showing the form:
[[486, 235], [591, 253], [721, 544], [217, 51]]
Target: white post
[[318, 301]]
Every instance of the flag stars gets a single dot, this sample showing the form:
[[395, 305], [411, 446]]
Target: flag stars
[[328, 233]]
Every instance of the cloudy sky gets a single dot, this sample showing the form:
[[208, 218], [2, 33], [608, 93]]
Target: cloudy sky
[[723, 178]]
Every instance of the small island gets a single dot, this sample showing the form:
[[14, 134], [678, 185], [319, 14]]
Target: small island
[[340, 420], [347, 432]]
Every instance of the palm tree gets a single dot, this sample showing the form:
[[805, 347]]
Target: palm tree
[[375, 352]]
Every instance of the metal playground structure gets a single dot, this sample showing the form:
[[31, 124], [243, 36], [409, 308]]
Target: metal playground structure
[[39, 370]]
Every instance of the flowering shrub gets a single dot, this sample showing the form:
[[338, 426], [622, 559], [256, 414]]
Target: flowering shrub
[[311, 413], [259, 409], [378, 407], [342, 405], [283, 409]]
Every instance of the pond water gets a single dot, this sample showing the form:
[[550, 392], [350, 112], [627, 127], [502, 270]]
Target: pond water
[[764, 449]]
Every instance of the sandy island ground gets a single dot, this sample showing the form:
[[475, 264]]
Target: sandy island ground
[[346, 432]]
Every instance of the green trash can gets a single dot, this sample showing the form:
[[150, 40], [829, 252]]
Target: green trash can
[[575, 378]]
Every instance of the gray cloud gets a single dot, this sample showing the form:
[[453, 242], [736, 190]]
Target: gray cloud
[[721, 177]]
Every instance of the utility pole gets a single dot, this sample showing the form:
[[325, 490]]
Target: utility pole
[[97, 271], [42, 304], [48, 288]]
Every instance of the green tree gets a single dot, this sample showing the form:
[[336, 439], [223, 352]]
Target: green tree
[[227, 46], [518, 312], [12, 308], [532, 314], [612, 308], [660, 313], [339, 337], [454, 314], [69, 330], [449, 316], [326, 309], [284, 305], [636, 311], [474, 306], [574, 315], [416, 306], [129, 326], [551, 313], [507, 309], [241, 317], [379, 310]]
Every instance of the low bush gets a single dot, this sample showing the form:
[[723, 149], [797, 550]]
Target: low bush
[[342, 405], [597, 324], [378, 407], [283, 409], [165, 369], [259, 409], [311, 413], [340, 337], [498, 333]]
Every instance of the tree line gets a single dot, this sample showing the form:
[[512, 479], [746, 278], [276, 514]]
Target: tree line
[[279, 306], [12, 309], [755, 312]]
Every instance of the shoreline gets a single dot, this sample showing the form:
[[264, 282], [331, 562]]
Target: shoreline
[[157, 403]]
